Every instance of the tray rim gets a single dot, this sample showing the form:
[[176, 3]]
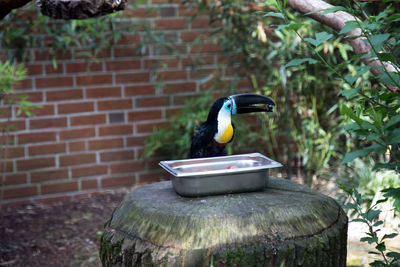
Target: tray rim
[[165, 165]]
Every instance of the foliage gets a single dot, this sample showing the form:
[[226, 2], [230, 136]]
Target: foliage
[[25, 28], [370, 217], [10, 75], [259, 54], [373, 103]]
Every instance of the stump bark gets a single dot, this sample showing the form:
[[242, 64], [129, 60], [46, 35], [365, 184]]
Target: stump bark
[[79, 9], [286, 223]]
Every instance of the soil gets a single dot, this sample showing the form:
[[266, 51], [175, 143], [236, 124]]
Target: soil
[[62, 234]]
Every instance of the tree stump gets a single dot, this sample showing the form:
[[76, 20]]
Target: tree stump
[[79, 9], [286, 223]]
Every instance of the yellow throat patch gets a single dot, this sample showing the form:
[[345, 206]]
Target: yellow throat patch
[[227, 135]]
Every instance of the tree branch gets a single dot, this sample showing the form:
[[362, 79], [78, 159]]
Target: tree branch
[[79, 9], [337, 21], [7, 5]]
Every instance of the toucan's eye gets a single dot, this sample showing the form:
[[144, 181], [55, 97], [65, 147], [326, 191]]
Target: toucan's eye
[[229, 106]]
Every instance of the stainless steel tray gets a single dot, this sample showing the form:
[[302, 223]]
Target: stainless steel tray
[[219, 175]]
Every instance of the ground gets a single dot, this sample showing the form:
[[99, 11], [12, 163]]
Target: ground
[[68, 234], [61, 234]]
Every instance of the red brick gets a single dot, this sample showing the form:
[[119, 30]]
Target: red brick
[[31, 96], [201, 22], [129, 39], [12, 126], [89, 184], [40, 176], [172, 88], [172, 112], [115, 104], [94, 79], [135, 141], [190, 36], [205, 48], [152, 102], [76, 146], [139, 90], [54, 82], [204, 72], [185, 11], [25, 191], [149, 127], [5, 112], [88, 120], [47, 149], [171, 24], [118, 181], [35, 163], [116, 155], [139, 13], [59, 187], [123, 65], [144, 115], [77, 133], [180, 100], [7, 166], [105, 53], [168, 62], [26, 138], [24, 84], [60, 95], [198, 60], [42, 110], [106, 144], [171, 75], [89, 171], [132, 77], [124, 167], [47, 123], [103, 92], [59, 69], [115, 130], [75, 107], [15, 178], [126, 52], [34, 69], [83, 67], [69, 160], [14, 152], [41, 55]]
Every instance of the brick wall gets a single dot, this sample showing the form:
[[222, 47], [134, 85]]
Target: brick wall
[[89, 132]]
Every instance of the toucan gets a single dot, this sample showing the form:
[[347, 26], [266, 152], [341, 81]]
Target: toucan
[[211, 137]]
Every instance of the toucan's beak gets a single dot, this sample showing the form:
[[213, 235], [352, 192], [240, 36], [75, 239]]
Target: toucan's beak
[[247, 103]]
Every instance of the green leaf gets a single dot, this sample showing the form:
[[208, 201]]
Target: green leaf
[[370, 240], [393, 235], [392, 254], [353, 155], [393, 120], [386, 57], [349, 26], [391, 78], [378, 39], [349, 112], [275, 14], [359, 220], [378, 223], [319, 38], [299, 61], [328, 10], [372, 214], [349, 206], [381, 247]]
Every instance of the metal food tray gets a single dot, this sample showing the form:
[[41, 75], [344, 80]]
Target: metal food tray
[[219, 175]]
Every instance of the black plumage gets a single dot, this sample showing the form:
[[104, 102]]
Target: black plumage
[[203, 143]]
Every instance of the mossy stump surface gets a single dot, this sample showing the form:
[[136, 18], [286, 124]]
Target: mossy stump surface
[[285, 223]]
